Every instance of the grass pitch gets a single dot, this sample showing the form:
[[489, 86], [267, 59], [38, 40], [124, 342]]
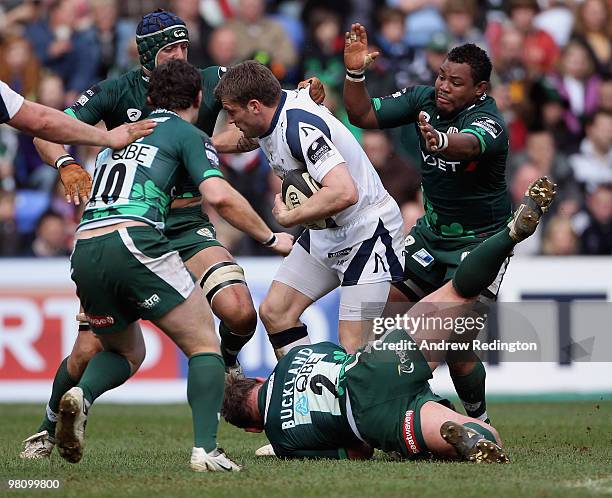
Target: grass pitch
[[561, 449]]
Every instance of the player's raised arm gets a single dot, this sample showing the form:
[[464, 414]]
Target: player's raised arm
[[356, 60]]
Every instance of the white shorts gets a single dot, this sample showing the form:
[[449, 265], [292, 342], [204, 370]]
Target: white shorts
[[365, 252]]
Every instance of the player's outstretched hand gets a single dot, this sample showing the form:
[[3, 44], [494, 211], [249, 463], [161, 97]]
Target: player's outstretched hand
[[77, 183], [430, 135], [125, 134], [281, 212], [356, 56], [284, 243], [316, 90]]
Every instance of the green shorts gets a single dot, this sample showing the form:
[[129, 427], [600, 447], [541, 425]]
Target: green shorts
[[431, 260], [126, 275], [387, 389], [189, 231]]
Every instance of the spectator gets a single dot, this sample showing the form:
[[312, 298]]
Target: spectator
[[8, 153], [605, 95], [559, 238], [222, 47], [51, 237], [63, 49], [9, 236], [424, 70], [20, 68], [540, 52], [199, 30], [593, 164], [593, 28], [31, 172], [557, 20], [256, 32], [396, 57], [460, 16], [323, 52], [113, 37], [594, 224], [423, 19], [401, 179], [578, 83]]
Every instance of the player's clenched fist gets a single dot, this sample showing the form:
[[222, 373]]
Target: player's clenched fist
[[77, 183]]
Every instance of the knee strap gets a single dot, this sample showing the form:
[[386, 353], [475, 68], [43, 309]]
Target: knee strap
[[219, 276]]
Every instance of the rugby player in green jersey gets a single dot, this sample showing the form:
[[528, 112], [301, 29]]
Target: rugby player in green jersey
[[125, 269], [162, 36], [464, 147], [321, 402]]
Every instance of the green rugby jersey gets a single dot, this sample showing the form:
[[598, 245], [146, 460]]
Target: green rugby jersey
[[462, 198], [138, 182], [124, 100], [303, 403]]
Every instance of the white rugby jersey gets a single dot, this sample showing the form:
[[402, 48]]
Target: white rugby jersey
[[306, 136], [10, 102]]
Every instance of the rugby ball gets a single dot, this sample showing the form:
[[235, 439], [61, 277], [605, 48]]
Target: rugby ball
[[296, 188]]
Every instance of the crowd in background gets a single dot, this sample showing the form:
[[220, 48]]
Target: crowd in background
[[552, 64]]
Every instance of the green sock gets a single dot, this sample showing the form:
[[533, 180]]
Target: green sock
[[471, 390], [105, 371], [480, 267], [205, 386], [481, 430], [62, 382], [231, 344]]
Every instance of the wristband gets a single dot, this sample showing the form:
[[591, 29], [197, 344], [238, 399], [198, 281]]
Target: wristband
[[271, 242], [442, 141], [65, 160], [356, 76]]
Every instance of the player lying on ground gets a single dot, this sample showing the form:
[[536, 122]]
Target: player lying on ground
[[357, 247], [162, 36], [463, 143], [125, 268], [322, 402]]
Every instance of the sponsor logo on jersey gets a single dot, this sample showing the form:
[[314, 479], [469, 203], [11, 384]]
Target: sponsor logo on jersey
[[452, 129], [423, 257], [100, 321], [134, 114], [337, 254], [84, 98], [211, 153], [409, 241], [319, 150], [301, 405], [143, 154], [409, 436], [492, 127], [150, 302], [206, 232], [440, 163], [180, 33]]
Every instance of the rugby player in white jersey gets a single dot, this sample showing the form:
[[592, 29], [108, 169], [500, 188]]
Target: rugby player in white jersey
[[360, 251]]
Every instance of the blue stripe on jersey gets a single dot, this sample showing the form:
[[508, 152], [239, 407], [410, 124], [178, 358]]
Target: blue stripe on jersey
[[4, 114], [294, 118], [279, 108], [359, 261]]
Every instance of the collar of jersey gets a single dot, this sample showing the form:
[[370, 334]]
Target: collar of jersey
[[276, 114]]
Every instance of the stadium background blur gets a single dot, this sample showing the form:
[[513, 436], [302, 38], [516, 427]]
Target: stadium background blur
[[552, 66]]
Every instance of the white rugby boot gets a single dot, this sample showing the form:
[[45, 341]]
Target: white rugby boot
[[265, 451], [215, 461], [39, 445], [71, 422]]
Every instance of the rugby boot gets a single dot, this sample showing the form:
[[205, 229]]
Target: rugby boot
[[39, 445], [537, 200], [71, 422], [215, 461], [472, 445]]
